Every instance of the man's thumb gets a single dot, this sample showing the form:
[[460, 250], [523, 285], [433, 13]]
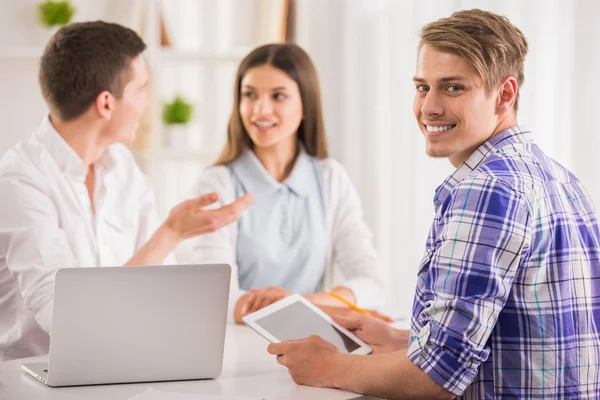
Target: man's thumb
[[349, 323]]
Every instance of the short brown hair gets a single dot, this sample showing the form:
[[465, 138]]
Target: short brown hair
[[294, 61], [84, 59], [489, 42]]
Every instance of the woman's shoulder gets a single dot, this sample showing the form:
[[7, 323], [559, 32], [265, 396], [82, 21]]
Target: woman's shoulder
[[215, 178], [215, 172], [337, 185], [332, 171]]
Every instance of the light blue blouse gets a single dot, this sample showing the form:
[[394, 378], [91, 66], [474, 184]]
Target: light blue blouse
[[282, 237]]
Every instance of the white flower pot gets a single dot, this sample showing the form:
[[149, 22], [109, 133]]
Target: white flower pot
[[177, 136]]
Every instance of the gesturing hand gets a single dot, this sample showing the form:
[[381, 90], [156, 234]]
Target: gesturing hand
[[189, 219]]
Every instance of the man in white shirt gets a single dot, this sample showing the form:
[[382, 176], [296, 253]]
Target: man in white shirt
[[72, 195]]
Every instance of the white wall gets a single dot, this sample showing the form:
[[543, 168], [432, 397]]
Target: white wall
[[584, 88]]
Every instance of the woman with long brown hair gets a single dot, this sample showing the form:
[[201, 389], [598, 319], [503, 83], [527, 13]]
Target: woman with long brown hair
[[305, 231]]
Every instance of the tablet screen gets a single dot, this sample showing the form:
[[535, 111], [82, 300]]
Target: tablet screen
[[297, 321]]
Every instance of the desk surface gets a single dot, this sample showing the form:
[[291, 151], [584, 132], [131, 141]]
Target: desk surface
[[248, 370]]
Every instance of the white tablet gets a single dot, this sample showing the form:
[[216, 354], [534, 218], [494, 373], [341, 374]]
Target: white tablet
[[295, 318]]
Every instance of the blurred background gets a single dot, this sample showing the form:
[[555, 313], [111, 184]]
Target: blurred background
[[365, 52]]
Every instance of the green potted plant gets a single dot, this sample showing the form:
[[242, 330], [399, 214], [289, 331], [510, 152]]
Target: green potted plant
[[54, 14], [176, 116]]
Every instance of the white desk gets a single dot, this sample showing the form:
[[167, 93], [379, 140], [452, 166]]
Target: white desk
[[248, 370]]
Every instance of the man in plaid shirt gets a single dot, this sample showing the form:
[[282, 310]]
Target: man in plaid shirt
[[507, 303]]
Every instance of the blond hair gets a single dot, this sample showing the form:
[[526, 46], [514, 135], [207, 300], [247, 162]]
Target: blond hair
[[489, 42]]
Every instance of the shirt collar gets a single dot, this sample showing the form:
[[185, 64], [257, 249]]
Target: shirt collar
[[300, 180], [67, 160], [493, 146], [255, 178]]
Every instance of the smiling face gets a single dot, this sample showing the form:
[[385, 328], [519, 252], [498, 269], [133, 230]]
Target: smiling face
[[453, 109], [270, 106]]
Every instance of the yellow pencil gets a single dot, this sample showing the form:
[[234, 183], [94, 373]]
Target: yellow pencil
[[349, 304]]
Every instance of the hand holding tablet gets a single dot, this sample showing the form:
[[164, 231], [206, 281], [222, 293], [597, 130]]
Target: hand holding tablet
[[294, 318]]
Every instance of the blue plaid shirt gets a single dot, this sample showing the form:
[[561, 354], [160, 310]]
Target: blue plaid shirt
[[507, 303]]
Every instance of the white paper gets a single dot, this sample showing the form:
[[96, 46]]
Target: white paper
[[153, 394]]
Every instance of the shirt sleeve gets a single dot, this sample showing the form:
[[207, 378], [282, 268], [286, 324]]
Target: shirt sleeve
[[149, 221], [33, 244], [483, 231], [218, 247], [353, 252]]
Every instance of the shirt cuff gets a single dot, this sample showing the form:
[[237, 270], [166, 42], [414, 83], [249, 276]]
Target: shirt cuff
[[170, 259], [445, 359], [44, 317], [367, 293]]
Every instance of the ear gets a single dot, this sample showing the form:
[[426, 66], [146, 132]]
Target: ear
[[507, 95], [105, 104]]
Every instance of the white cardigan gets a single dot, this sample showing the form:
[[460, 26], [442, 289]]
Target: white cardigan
[[352, 261]]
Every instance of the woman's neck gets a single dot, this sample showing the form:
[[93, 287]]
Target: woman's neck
[[279, 159]]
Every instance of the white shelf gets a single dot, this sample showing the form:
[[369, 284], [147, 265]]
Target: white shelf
[[170, 55], [183, 155], [25, 52], [165, 55]]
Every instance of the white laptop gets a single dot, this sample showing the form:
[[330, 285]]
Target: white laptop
[[136, 324]]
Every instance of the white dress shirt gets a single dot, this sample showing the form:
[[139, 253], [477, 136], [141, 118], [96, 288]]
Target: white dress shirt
[[47, 222], [351, 260]]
